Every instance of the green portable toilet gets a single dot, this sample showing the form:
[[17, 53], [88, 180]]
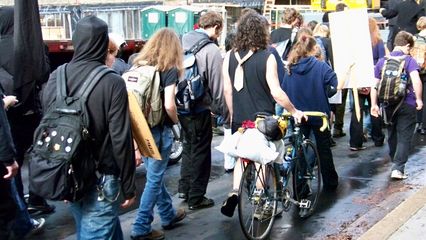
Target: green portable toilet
[[153, 18], [181, 20]]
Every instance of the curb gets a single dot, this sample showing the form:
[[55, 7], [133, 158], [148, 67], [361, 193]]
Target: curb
[[397, 217]]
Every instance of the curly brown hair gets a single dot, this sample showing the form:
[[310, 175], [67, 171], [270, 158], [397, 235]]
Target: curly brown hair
[[290, 15], [154, 52], [252, 33]]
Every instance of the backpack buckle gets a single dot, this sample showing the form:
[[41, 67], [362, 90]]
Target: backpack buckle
[[85, 134]]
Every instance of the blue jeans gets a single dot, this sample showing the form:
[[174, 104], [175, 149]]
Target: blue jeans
[[155, 191], [96, 215], [23, 223]]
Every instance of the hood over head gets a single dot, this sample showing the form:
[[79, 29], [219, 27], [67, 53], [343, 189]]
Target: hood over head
[[6, 21], [303, 66], [90, 40], [192, 38]]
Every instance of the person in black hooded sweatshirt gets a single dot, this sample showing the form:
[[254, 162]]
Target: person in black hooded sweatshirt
[[25, 116], [109, 125]]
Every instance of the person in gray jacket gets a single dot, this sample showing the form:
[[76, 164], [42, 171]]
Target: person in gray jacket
[[197, 126]]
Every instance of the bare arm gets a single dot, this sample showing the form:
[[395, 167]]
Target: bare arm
[[374, 111], [169, 102], [417, 85], [276, 91], [227, 85]]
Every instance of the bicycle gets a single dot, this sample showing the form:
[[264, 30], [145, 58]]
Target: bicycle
[[261, 187]]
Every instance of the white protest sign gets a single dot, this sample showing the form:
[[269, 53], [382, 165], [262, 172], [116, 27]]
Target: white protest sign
[[352, 50]]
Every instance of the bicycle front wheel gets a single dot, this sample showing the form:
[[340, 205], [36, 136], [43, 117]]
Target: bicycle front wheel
[[307, 178], [257, 200]]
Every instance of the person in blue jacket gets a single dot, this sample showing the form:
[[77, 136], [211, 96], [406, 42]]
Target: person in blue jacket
[[305, 83]]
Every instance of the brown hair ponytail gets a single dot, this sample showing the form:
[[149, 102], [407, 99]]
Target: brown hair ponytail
[[302, 48]]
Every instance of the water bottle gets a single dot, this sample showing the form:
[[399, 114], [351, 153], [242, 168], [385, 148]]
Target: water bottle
[[286, 163], [403, 84]]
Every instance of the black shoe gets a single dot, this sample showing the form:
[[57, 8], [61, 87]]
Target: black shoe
[[40, 209], [228, 206], [180, 215], [153, 235], [183, 196], [332, 142], [205, 203], [338, 134], [378, 144]]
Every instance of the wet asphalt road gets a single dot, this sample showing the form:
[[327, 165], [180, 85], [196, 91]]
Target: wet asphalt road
[[364, 196]]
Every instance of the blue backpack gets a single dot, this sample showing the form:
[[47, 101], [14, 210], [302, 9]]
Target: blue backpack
[[192, 88]]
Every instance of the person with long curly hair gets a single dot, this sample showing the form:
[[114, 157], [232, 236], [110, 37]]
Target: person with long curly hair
[[251, 83], [155, 192]]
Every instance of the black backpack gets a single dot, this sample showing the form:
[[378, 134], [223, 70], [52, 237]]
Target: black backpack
[[61, 166], [192, 88], [392, 87]]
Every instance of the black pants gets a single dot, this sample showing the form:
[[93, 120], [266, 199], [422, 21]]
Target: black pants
[[400, 134], [356, 127], [421, 115], [328, 171], [340, 112], [196, 156], [22, 128]]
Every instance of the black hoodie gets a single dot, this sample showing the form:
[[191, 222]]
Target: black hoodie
[[6, 39], [107, 104]]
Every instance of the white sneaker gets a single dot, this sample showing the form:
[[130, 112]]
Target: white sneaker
[[37, 225], [396, 174]]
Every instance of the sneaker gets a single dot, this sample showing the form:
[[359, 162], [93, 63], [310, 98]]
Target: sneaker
[[180, 215], [153, 235], [205, 203], [37, 226], [421, 131], [183, 196], [338, 134], [398, 175], [357, 148], [40, 209]]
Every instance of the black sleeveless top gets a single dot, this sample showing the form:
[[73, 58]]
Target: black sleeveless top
[[255, 95]]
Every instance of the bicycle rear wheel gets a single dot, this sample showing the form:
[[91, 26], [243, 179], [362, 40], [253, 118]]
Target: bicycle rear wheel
[[257, 200], [307, 178]]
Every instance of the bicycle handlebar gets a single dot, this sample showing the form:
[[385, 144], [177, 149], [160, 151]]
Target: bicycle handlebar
[[322, 115]]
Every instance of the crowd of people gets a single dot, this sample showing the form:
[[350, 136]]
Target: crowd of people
[[253, 76]]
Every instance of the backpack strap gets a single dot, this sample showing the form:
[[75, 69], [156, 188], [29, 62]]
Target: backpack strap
[[94, 77], [199, 45], [61, 84]]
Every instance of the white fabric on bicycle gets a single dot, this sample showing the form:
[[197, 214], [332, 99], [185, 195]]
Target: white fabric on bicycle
[[228, 161], [253, 145]]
